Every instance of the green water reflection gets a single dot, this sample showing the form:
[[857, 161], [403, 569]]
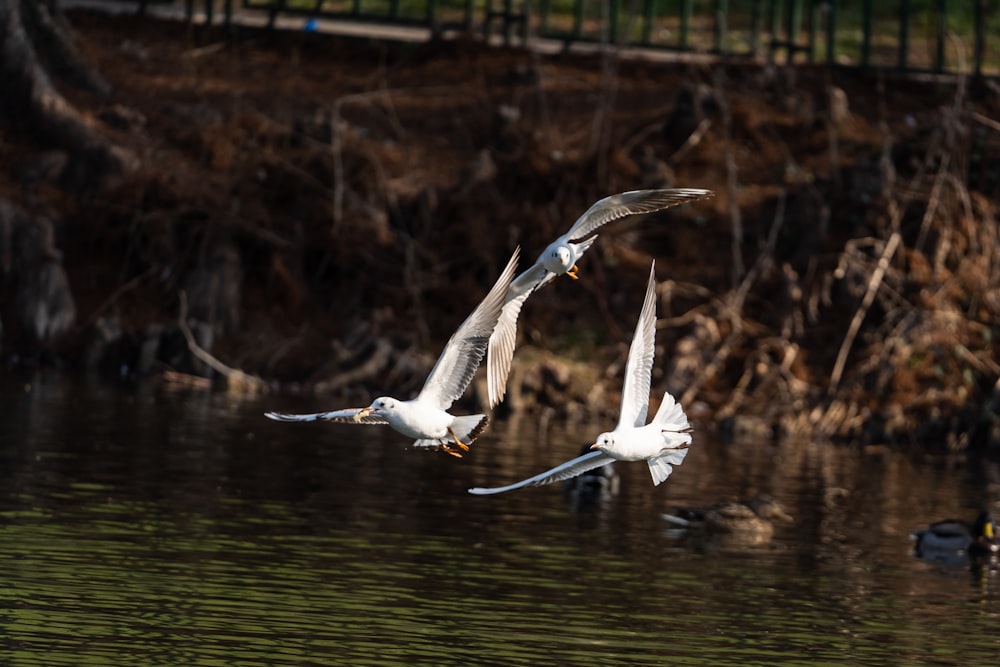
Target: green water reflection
[[145, 529]]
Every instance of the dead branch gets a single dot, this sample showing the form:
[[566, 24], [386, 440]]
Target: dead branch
[[732, 178], [692, 141], [373, 366], [984, 120], [236, 380], [859, 315], [932, 203], [732, 305], [119, 292]]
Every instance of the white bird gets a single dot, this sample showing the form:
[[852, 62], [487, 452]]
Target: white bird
[[663, 443], [560, 257], [426, 417]]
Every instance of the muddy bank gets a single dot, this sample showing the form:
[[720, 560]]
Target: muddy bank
[[333, 208]]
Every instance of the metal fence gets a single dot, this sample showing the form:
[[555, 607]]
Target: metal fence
[[946, 36]]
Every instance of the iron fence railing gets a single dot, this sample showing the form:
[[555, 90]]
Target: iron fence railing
[[947, 36]]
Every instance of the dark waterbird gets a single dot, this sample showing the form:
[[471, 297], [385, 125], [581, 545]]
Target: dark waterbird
[[952, 540]]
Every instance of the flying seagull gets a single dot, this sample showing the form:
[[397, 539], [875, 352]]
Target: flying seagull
[[560, 258], [663, 443], [426, 417]]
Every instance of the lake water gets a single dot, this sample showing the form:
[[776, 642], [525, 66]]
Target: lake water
[[140, 527]]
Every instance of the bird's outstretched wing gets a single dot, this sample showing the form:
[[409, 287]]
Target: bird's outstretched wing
[[571, 468], [500, 351], [465, 349], [528, 281], [347, 416], [631, 203], [661, 466], [635, 390]]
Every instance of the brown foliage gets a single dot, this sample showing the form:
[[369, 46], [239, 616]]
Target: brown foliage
[[372, 192]]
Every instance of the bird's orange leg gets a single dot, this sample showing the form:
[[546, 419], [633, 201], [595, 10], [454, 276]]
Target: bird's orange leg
[[461, 445], [448, 450], [572, 273]]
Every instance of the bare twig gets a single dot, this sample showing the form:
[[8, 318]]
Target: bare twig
[[732, 305], [236, 380], [984, 120], [337, 123], [732, 178], [600, 134], [852, 331], [117, 294], [369, 369], [196, 349], [932, 204]]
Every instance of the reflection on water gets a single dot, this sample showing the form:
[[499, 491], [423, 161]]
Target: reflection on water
[[145, 528]]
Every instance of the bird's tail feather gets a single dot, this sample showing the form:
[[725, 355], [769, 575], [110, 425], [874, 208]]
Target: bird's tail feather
[[466, 428], [671, 414], [469, 427]]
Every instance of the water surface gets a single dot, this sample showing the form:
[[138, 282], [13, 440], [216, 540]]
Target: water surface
[[144, 527]]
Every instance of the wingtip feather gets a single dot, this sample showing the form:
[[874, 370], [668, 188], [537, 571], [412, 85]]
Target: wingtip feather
[[280, 416]]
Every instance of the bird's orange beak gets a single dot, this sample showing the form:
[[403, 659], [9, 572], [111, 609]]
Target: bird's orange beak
[[595, 446]]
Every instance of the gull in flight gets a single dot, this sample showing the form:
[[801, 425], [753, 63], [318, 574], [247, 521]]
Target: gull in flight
[[426, 417], [560, 258], [663, 443]]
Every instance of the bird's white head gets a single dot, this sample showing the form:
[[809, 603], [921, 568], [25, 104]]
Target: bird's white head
[[604, 442], [562, 257], [382, 405]]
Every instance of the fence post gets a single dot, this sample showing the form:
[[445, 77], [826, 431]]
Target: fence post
[[794, 24], [647, 28], [866, 37], [812, 19], [942, 34], [685, 22], [755, 17], [775, 21], [543, 19], [577, 19], [980, 43], [613, 7], [721, 12], [904, 32], [831, 31]]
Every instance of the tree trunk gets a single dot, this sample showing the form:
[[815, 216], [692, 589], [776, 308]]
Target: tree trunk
[[29, 259], [31, 101], [35, 41], [55, 44]]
